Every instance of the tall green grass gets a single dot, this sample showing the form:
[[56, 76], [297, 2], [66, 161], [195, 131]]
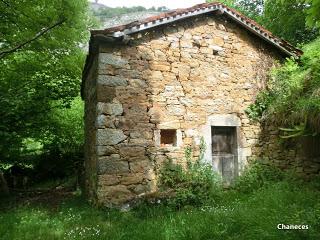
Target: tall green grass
[[236, 215]]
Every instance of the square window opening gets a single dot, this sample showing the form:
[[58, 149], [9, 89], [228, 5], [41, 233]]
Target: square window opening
[[168, 137]]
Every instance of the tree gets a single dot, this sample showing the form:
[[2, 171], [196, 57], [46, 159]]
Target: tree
[[230, 3], [252, 9], [41, 63], [287, 19]]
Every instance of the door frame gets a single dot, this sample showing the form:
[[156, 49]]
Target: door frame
[[223, 120]]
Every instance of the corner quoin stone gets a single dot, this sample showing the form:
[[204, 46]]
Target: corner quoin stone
[[112, 165], [105, 93], [111, 59], [110, 136], [111, 81], [110, 108]]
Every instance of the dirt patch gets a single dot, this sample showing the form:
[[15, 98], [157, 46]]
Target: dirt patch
[[51, 198]]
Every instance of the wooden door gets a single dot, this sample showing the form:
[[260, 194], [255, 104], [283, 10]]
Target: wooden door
[[224, 152]]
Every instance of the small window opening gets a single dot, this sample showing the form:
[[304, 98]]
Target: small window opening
[[168, 137]]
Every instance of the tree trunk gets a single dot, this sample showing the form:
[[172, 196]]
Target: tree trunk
[[4, 190]]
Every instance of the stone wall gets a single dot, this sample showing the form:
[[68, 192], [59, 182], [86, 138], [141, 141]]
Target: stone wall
[[184, 76], [300, 155]]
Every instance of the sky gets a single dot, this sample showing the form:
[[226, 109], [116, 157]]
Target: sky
[[171, 4]]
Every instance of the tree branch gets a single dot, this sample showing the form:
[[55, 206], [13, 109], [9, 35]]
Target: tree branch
[[39, 34]]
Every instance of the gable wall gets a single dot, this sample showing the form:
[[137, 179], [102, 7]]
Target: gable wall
[[187, 77]]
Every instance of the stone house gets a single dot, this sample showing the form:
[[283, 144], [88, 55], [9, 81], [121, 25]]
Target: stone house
[[156, 86]]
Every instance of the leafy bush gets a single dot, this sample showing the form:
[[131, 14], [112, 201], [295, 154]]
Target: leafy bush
[[292, 98], [195, 185], [256, 176], [256, 110]]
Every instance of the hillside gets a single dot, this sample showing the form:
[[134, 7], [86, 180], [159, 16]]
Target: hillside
[[109, 17]]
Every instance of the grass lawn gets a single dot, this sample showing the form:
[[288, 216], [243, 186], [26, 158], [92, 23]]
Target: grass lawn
[[235, 215]]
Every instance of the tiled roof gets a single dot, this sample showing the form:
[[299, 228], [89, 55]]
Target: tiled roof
[[178, 14]]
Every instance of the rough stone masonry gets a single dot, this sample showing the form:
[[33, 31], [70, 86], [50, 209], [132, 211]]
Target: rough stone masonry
[[150, 97]]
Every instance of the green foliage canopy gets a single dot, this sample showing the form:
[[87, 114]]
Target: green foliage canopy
[[41, 63], [286, 19]]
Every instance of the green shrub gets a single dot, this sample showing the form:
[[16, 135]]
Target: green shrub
[[256, 176], [194, 186], [291, 98], [255, 110]]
